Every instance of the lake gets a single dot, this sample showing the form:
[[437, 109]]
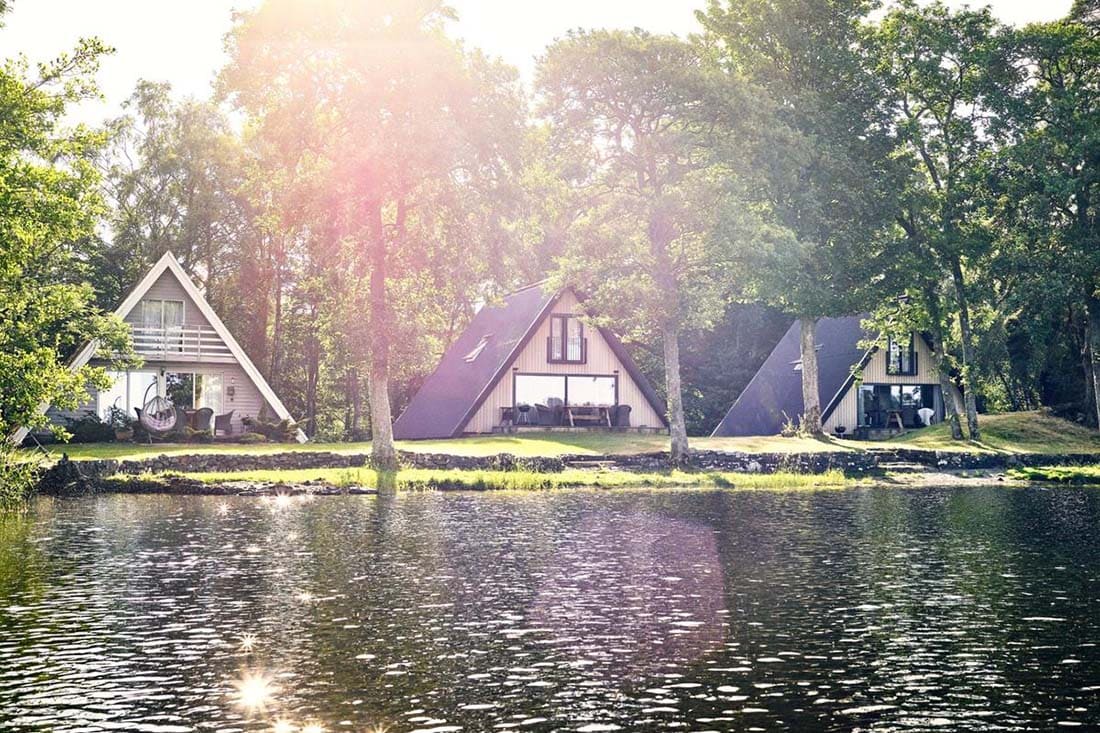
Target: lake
[[870, 609]]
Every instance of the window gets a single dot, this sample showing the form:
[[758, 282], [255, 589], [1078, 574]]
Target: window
[[129, 390], [162, 324], [476, 351], [585, 390], [901, 358], [566, 342], [539, 389], [193, 391], [878, 401], [574, 389]]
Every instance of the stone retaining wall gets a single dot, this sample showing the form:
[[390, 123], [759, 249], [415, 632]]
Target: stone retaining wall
[[72, 474]]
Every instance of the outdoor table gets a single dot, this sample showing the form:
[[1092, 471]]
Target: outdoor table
[[599, 413]]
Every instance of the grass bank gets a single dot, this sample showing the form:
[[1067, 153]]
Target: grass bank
[[1076, 475], [416, 478], [1020, 432], [1011, 432]]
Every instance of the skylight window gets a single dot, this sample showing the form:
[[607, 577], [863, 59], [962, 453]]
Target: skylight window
[[476, 351]]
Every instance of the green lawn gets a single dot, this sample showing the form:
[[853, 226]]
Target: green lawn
[[417, 478], [528, 444], [1022, 432], [1013, 432]]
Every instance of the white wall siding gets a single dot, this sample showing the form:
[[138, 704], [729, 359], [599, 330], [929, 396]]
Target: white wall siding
[[167, 287], [846, 412], [532, 359]]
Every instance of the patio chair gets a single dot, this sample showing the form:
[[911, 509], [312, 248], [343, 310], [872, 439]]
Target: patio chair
[[202, 418], [224, 423], [621, 418], [557, 406], [544, 415]]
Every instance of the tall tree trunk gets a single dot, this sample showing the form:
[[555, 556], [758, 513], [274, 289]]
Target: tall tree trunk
[[679, 453], [969, 398], [811, 400], [383, 451], [1092, 310], [277, 328], [313, 373], [661, 235], [951, 407]]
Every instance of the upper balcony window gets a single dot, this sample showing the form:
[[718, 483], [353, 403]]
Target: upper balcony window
[[901, 357], [566, 343]]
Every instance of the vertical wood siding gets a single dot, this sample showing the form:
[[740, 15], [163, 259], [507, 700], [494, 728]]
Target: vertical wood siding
[[601, 360], [168, 288], [247, 401], [846, 413]]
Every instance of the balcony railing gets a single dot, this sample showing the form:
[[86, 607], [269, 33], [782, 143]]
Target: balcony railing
[[189, 343]]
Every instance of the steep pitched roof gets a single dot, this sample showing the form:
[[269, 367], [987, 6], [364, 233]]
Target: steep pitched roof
[[169, 263], [775, 392], [451, 395]]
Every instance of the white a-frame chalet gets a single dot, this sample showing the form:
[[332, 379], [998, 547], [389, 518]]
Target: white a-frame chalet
[[187, 352]]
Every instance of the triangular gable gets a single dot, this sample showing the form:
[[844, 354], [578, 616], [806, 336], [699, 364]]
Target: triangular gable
[[453, 392], [775, 392], [851, 380], [452, 395], [168, 263]]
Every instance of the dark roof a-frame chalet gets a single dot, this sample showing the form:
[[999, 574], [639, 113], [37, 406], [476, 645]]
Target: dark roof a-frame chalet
[[452, 394], [775, 392]]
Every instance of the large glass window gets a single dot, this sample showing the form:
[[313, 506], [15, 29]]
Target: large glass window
[[879, 402], [559, 389], [193, 391], [566, 339], [128, 391], [539, 389], [208, 392], [901, 357], [114, 396], [585, 390]]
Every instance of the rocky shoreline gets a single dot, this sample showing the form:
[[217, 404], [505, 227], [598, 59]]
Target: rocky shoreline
[[156, 473]]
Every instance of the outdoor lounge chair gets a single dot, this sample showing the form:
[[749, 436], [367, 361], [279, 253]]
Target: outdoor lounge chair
[[544, 415], [202, 418], [224, 423]]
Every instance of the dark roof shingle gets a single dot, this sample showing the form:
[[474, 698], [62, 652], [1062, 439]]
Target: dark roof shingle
[[775, 392], [448, 397]]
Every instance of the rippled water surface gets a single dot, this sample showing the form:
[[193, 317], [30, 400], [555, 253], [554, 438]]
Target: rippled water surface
[[973, 609]]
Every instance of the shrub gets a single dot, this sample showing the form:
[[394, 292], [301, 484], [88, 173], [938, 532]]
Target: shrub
[[89, 429], [17, 478], [281, 431], [198, 436], [252, 438]]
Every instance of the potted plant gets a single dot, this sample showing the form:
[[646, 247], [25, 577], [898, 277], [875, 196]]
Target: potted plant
[[120, 421]]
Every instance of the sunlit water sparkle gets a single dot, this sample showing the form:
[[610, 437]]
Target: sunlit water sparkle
[[869, 609]]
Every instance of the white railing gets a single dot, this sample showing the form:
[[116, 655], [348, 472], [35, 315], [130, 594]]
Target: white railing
[[185, 342]]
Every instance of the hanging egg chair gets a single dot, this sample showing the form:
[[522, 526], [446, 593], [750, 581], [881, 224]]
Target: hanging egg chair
[[159, 414]]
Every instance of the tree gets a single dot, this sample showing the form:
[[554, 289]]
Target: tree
[[49, 208], [628, 125], [818, 163], [1053, 171], [941, 72], [374, 104]]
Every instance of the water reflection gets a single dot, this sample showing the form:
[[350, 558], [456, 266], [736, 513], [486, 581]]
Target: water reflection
[[869, 609]]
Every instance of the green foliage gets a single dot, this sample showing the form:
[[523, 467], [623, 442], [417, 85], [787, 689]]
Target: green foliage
[[49, 207], [88, 428]]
